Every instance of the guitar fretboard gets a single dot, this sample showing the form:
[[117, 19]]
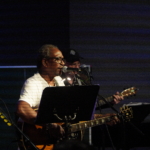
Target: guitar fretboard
[[108, 99], [87, 124], [127, 92]]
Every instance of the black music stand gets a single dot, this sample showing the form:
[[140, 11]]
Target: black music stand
[[140, 110], [67, 105], [61, 104]]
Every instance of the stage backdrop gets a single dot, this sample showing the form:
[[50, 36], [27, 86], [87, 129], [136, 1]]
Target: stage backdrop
[[113, 37]]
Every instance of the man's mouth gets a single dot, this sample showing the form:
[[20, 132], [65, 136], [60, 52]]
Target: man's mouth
[[60, 68]]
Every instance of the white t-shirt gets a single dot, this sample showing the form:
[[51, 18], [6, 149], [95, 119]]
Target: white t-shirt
[[33, 87]]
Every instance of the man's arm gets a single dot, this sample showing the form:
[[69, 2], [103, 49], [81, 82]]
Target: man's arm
[[115, 99], [25, 112]]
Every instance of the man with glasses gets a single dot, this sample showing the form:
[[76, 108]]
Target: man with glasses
[[49, 64]]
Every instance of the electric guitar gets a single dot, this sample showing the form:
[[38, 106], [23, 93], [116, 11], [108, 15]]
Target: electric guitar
[[40, 137], [126, 93]]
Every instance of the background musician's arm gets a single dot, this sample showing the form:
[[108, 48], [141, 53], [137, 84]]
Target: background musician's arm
[[115, 99]]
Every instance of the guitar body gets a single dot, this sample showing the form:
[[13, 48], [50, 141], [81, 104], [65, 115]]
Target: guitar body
[[39, 136]]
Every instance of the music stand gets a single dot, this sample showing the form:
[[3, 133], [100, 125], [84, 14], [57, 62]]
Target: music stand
[[140, 110], [60, 104]]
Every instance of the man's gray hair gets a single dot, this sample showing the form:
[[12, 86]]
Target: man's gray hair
[[44, 52]]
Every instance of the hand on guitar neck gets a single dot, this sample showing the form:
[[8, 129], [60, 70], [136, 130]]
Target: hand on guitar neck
[[112, 122], [118, 97], [55, 130]]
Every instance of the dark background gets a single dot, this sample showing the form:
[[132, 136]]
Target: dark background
[[113, 37]]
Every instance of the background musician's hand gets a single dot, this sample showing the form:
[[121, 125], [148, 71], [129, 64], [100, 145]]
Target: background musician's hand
[[114, 120], [117, 98], [56, 130]]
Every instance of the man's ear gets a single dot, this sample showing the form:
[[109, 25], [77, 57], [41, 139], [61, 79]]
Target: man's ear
[[44, 62]]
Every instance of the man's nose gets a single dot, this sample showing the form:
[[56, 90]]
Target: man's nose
[[62, 63]]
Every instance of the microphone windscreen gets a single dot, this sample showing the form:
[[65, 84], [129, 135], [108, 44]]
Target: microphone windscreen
[[64, 69]]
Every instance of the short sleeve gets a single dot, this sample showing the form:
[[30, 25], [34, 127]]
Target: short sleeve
[[30, 93]]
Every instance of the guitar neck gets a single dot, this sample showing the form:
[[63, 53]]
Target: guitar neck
[[127, 92], [99, 121], [108, 99], [87, 124]]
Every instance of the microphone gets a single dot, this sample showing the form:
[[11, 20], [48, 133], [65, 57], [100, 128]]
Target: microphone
[[66, 69], [88, 67]]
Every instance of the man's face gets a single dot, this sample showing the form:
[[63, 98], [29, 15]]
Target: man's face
[[75, 64], [55, 63]]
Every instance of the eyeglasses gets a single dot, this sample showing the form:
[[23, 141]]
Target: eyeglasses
[[58, 60]]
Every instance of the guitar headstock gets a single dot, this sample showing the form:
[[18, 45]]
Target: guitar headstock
[[129, 92], [126, 112]]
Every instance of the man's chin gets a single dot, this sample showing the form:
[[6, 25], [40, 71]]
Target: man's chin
[[59, 73]]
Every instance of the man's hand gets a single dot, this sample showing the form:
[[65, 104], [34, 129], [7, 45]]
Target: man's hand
[[56, 130], [114, 119], [117, 98]]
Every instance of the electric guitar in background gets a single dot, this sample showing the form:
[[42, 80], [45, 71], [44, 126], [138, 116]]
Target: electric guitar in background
[[125, 93]]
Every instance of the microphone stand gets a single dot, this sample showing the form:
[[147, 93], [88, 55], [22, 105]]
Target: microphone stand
[[67, 122], [100, 109], [81, 79], [90, 78]]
